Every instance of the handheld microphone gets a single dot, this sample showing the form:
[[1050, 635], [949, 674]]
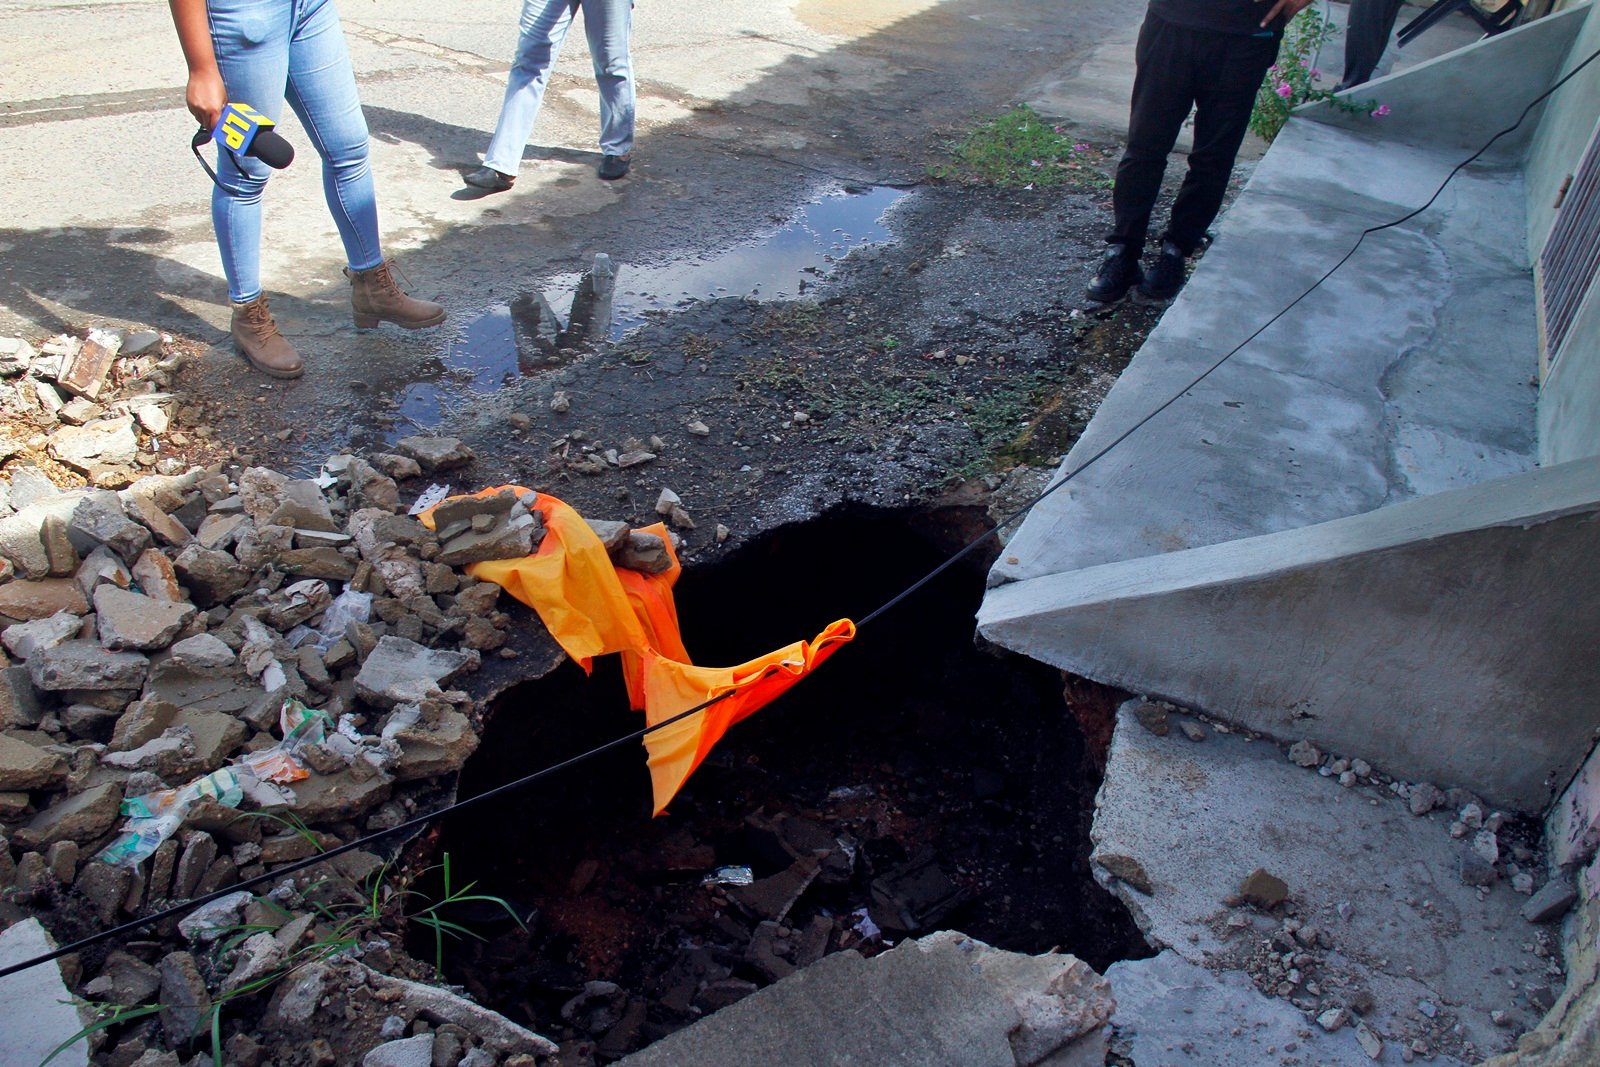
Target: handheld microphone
[[243, 131]]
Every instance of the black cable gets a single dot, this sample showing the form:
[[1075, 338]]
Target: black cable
[[463, 805]]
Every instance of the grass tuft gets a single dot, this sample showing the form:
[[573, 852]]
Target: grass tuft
[[1021, 149]]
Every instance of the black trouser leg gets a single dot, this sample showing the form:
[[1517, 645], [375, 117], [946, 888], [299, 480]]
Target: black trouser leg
[[1224, 98], [1365, 38], [1162, 96]]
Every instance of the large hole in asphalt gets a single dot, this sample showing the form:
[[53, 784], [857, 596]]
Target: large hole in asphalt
[[948, 786]]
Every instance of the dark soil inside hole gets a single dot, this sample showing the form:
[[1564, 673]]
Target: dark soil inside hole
[[940, 786]]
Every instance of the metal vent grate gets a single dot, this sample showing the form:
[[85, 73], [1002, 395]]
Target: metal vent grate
[[1570, 261]]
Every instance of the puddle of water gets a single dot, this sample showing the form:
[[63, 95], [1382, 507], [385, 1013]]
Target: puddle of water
[[777, 267]]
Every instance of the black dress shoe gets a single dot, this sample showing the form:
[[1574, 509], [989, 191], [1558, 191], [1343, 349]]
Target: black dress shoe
[[1119, 273], [612, 167], [1167, 276]]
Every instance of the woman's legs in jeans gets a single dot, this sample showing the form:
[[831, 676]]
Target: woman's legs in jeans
[[265, 48], [322, 91], [544, 26], [608, 25]]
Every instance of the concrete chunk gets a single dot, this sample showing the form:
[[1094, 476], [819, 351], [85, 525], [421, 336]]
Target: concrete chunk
[[202, 652], [87, 665], [98, 519], [399, 671], [28, 638], [133, 620], [38, 1005], [439, 1006], [100, 566], [1551, 902], [84, 372], [212, 577], [945, 999], [26, 600], [81, 817], [25, 766], [435, 453], [156, 577], [407, 1052]]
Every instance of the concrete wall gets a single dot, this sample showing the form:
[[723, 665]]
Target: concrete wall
[[1568, 123], [1454, 638], [1569, 398]]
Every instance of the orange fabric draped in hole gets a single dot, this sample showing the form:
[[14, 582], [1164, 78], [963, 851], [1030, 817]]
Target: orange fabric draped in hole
[[592, 608]]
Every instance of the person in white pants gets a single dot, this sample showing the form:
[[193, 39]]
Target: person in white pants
[[544, 25]]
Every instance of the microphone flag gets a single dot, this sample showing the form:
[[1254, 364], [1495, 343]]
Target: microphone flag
[[238, 127]]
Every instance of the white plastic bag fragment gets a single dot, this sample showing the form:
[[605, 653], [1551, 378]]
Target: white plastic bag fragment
[[348, 607], [430, 496]]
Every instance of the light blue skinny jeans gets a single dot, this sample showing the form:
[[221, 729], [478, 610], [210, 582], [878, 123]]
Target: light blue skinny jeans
[[270, 51], [544, 25]]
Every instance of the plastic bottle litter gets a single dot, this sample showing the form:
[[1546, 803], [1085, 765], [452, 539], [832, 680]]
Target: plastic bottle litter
[[729, 876], [139, 839], [154, 817], [301, 726]]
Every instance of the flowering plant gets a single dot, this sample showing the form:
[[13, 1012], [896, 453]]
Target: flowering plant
[[1293, 80]]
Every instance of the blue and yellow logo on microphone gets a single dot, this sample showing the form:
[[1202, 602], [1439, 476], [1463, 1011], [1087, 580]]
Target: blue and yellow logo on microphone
[[239, 125]]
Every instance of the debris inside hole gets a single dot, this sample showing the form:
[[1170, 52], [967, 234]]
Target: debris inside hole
[[914, 783]]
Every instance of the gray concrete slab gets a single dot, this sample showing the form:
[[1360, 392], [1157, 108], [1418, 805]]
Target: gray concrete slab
[[1173, 1013], [944, 1000], [1379, 882], [1400, 634], [1407, 372], [36, 1006]]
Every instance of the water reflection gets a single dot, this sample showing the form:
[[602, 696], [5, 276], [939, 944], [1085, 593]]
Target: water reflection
[[532, 332]]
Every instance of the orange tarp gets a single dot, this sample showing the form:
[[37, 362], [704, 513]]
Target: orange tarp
[[592, 608]]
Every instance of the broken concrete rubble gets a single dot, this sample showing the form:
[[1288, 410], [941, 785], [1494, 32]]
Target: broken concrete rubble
[[973, 1005], [192, 607], [1360, 923], [129, 620], [398, 671]]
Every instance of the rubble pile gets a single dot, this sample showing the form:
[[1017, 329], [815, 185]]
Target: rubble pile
[[95, 405], [250, 668]]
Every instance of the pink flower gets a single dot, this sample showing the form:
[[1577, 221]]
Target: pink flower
[[1273, 69], [1316, 75], [1058, 129], [1080, 148], [1286, 92], [1380, 111]]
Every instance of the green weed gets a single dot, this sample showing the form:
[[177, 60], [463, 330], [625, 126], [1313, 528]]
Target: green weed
[[1019, 149]]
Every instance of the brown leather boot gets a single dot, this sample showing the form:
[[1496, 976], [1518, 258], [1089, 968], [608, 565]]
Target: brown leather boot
[[256, 337], [374, 296]]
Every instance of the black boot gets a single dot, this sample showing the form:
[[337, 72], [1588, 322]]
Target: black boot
[[1119, 273], [1167, 276]]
